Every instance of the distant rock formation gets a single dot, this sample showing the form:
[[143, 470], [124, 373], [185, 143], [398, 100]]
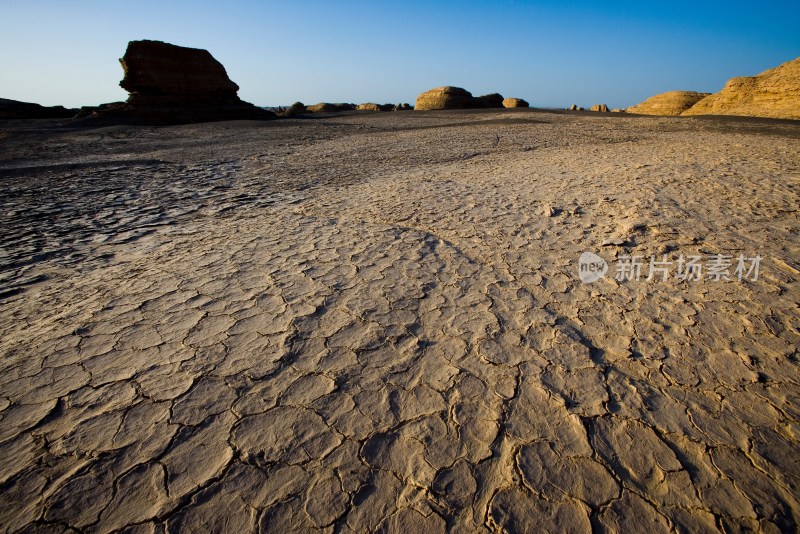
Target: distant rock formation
[[327, 107], [669, 103], [14, 109], [574, 107], [494, 100], [298, 108], [403, 107], [171, 84], [449, 97], [515, 103], [773, 93], [368, 106], [444, 98], [600, 107]]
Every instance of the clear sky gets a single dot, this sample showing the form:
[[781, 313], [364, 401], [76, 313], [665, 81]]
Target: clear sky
[[552, 53]]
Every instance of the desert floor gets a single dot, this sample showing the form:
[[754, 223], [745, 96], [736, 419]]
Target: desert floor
[[376, 322]]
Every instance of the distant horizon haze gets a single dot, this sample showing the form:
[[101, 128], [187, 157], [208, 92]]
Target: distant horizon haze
[[552, 54]]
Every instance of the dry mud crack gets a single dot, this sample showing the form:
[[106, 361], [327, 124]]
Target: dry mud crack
[[374, 322]]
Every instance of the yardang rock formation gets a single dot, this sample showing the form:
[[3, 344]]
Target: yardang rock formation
[[773, 93], [493, 100], [515, 103], [171, 84], [449, 97], [446, 97], [670, 103]]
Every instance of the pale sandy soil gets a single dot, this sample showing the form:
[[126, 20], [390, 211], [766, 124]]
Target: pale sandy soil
[[375, 322]]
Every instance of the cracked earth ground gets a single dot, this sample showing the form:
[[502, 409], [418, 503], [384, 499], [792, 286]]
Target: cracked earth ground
[[374, 322]]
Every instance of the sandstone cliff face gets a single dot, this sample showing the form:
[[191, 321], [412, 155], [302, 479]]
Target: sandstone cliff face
[[670, 103], [171, 84], [773, 93]]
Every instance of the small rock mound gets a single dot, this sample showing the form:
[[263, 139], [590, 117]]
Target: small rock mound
[[446, 97], [515, 103], [14, 109], [670, 103], [600, 107], [773, 93]]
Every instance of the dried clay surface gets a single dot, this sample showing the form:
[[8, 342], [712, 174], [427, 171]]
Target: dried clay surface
[[375, 323]]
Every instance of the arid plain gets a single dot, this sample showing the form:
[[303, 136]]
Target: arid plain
[[375, 322]]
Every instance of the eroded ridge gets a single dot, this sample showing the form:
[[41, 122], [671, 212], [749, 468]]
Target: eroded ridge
[[376, 324]]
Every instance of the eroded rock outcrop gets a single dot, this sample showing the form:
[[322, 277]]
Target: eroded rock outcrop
[[368, 106], [171, 84], [515, 103], [773, 93], [14, 109], [297, 108], [600, 107], [327, 107], [446, 97], [669, 103], [371, 106], [493, 100]]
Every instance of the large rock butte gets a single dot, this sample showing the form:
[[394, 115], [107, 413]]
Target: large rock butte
[[670, 103], [773, 93], [171, 84]]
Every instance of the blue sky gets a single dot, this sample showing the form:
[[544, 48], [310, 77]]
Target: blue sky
[[551, 53]]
